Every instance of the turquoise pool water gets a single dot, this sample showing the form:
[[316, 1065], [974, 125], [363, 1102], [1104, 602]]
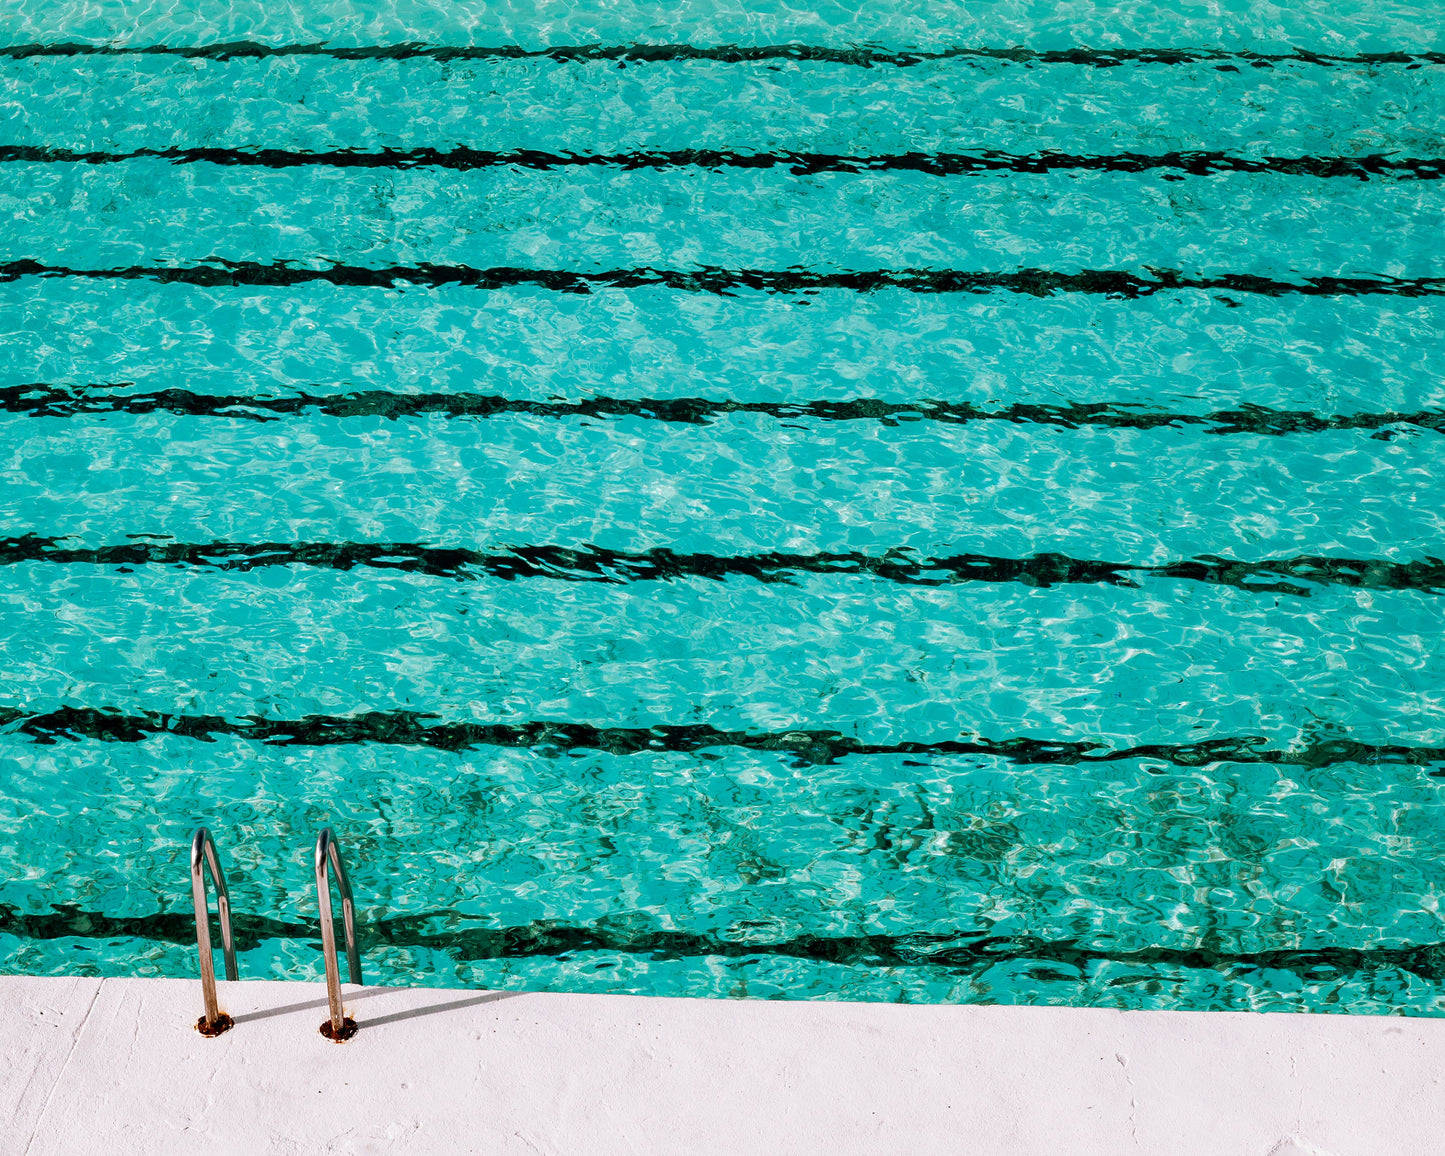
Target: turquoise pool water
[[907, 505]]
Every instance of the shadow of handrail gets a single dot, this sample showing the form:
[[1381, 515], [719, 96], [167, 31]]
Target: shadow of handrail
[[413, 1013], [310, 1004], [368, 993]]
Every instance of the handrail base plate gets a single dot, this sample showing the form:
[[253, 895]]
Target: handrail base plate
[[212, 1028]]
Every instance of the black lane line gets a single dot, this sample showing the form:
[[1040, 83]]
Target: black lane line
[[1195, 163], [725, 282], [617, 567], [802, 747], [964, 953], [40, 399], [728, 54]]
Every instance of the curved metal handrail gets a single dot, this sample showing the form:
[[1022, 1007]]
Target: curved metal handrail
[[327, 851], [203, 857]]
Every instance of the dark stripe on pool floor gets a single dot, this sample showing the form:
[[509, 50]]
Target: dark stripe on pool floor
[[804, 747], [799, 163], [727, 54], [617, 567], [1034, 282], [968, 953], [42, 400]]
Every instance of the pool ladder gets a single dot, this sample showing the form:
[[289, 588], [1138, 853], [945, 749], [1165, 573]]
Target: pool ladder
[[204, 858], [327, 852]]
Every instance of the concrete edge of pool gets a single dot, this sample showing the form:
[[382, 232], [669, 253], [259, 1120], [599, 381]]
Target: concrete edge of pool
[[117, 1066]]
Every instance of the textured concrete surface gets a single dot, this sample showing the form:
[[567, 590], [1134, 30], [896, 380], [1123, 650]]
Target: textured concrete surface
[[116, 1066]]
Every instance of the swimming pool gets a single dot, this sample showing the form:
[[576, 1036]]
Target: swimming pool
[[775, 504]]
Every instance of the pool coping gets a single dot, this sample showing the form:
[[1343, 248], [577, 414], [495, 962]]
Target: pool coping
[[116, 1065]]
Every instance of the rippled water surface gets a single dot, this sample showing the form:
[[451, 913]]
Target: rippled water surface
[[901, 505]]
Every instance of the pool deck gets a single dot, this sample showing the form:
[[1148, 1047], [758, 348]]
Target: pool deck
[[116, 1066]]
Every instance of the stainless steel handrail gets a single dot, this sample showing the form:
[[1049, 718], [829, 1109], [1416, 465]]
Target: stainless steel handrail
[[327, 851], [203, 856]]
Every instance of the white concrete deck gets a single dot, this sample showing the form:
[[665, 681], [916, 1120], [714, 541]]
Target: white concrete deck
[[115, 1066]]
